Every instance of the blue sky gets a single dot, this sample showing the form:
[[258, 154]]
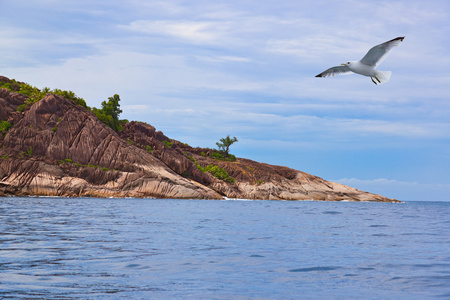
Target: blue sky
[[199, 70]]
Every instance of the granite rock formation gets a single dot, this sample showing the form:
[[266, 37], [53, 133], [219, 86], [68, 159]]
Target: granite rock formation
[[57, 148]]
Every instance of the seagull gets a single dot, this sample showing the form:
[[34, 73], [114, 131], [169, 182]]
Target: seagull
[[366, 66]]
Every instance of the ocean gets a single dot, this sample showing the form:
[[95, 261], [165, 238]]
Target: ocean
[[89, 248]]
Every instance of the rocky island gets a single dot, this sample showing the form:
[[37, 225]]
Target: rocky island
[[54, 145]]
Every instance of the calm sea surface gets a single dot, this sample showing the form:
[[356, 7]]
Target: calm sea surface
[[87, 248]]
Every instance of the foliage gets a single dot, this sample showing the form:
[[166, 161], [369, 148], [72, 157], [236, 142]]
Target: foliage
[[9, 86], [220, 173], [69, 161], [28, 153], [168, 144], [217, 155], [149, 149], [112, 107], [22, 107], [109, 113], [225, 143], [4, 126], [230, 157], [220, 156], [216, 171], [70, 96], [34, 94]]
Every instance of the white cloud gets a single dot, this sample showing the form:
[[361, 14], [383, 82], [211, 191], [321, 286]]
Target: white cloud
[[194, 31], [224, 58]]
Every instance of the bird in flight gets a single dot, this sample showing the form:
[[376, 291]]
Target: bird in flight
[[366, 66]]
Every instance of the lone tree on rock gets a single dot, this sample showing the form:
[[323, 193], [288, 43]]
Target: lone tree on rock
[[225, 144], [109, 113]]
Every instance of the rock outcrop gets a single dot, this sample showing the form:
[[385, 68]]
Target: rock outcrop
[[58, 148]]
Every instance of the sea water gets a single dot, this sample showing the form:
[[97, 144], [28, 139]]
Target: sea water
[[87, 248]]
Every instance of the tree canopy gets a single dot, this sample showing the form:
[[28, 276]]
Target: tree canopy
[[109, 113], [225, 143]]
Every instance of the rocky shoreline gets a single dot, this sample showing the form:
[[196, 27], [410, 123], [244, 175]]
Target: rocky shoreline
[[55, 147]]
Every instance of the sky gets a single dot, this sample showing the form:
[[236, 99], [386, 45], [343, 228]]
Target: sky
[[201, 70]]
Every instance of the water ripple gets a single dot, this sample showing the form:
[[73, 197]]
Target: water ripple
[[315, 269], [88, 248]]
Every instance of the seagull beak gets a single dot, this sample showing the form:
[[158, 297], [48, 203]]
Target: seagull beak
[[343, 64]]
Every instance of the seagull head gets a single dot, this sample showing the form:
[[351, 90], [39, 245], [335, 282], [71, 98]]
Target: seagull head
[[346, 64]]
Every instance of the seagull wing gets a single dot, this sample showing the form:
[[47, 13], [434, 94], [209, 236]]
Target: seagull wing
[[339, 70], [377, 54]]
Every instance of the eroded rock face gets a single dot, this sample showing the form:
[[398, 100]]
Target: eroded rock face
[[58, 148], [253, 180]]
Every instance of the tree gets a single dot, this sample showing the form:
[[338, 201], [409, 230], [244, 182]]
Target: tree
[[109, 113], [225, 144], [112, 107]]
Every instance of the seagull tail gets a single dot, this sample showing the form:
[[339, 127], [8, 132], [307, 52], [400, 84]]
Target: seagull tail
[[383, 76]]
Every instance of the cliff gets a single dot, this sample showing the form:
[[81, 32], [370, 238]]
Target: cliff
[[55, 147]]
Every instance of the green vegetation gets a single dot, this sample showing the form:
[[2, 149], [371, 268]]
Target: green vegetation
[[4, 157], [28, 153], [4, 126], [220, 173], [34, 94], [149, 149], [54, 128], [225, 143], [109, 113], [22, 107], [217, 155], [70, 96], [221, 156], [168, 144], [69, 161], [216, 171], [224, 149]]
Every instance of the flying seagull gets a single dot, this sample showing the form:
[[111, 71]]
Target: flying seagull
[[366, 66]]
